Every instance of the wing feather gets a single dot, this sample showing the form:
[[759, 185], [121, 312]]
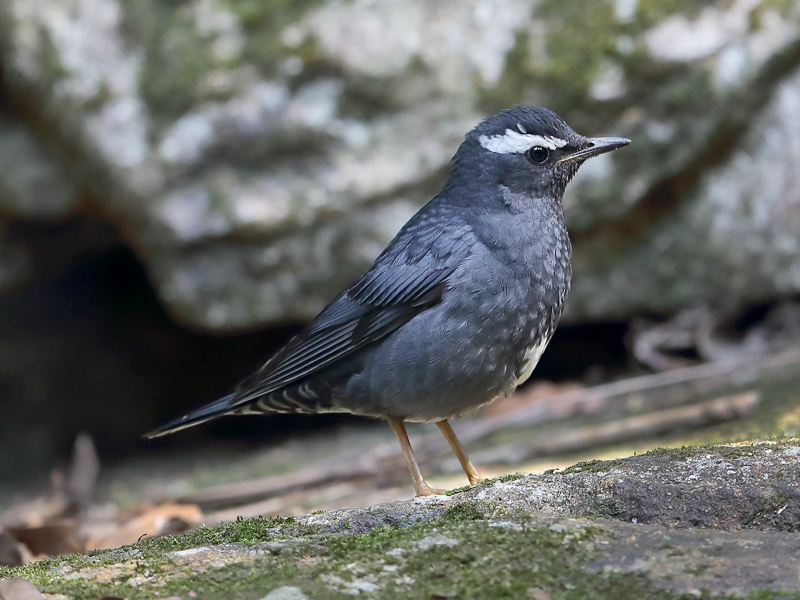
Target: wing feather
[[409, 277]]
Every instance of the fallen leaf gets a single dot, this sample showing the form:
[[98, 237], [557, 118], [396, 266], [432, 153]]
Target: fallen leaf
[[59, 536], [37, 511], [159, 520]]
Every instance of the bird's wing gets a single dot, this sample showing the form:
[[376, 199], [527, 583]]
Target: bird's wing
[[409, 277]]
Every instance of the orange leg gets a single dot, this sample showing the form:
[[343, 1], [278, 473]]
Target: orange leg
[[458, 449], [422, 488]]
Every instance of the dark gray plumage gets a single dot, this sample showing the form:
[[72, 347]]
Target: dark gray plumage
[[458, 308]]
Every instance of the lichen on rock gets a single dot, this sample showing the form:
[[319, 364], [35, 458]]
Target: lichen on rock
[[694, 521], [237, 127]]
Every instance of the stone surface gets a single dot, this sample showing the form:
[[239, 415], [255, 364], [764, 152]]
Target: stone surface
[[695, 522], [19, 589], [286, 592], [257, 156], [733, 236], [31, 185]]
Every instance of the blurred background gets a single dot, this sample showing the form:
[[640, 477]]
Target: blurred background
[[183, 184]]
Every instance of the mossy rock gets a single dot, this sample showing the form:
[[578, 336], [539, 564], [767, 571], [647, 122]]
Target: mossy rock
[[593, 533]]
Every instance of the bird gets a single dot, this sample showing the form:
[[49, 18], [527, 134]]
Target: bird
[[456, 311]]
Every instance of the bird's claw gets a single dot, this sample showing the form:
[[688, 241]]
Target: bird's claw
[[425, 490], [475, 480]]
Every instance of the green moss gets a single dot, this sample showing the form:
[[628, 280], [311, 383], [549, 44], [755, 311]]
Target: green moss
[[590, 466], [650, 13], [697, 569], [783, 7], [681, 453], [770, 507], [513, 84], [578, 41], [579, 37], [262, 22], [45, 52], [504, 559], [775, 501], [687, 452], [150, 559], [100, 98], [724, 451], [176, 54], [771, 595], [559, 70], [465, 511], [608, 507], [50, 68], [247, 532], [486, 482], [503, 478], [241, 531], [44, 566]]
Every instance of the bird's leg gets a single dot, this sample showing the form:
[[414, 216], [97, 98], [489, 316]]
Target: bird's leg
[[458, 449], [422, 488]]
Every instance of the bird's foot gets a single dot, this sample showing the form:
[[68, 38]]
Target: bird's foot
[[475, 479], [471, 472], [423, 489]]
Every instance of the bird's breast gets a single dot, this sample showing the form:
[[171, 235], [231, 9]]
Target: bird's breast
[[530, 358]]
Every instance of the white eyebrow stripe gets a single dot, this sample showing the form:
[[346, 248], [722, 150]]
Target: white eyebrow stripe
[[513, 142]]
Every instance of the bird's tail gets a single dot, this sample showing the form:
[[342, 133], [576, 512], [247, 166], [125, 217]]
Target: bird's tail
[[201, 415]]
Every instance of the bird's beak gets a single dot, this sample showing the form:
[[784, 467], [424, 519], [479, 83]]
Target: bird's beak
[[599, 145]]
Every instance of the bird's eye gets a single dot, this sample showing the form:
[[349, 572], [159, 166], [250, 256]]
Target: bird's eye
[[538, 154]]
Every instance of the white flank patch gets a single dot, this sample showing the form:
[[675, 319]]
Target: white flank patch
[[530, 360], [514, 142]]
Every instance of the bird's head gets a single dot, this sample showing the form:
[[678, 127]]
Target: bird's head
[[530, 150]]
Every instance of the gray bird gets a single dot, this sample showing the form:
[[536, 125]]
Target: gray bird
[[456, 311]]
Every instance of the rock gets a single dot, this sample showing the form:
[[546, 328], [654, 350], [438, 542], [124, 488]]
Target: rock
[[711, 521], [32, 187], [14, 263], [19, 589], [258, 156], [733, 235], [286, 592], [31, 183], [13, 553]]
